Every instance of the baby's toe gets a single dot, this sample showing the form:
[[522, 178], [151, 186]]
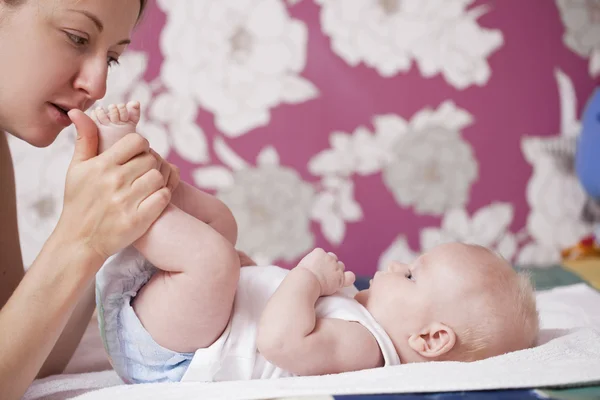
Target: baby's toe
[[101, 116], [113, 114], [133, 109], [123, 113]]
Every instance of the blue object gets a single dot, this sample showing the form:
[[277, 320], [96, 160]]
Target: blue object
[[587, 157]]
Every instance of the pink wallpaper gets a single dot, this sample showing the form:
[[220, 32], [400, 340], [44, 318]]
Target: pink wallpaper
[[374, 129]]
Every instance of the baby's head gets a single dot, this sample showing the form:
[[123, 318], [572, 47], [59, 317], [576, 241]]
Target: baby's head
[[456, 302]]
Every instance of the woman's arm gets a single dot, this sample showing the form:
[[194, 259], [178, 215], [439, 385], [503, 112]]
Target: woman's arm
[[67, 343], [12, 270], [110, 201], [34, 317]]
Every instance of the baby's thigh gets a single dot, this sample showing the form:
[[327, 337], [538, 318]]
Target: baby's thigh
[[181, 312]]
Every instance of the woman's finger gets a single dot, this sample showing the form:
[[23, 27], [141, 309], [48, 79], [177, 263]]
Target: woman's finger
[[138, 166], [147, 184], [152, 206], [126, 148], [174, 177]]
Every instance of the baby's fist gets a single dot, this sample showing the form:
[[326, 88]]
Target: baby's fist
[[329, 271]]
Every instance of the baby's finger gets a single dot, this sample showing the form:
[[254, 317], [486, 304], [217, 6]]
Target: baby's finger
[[332, 255], [341, 265], [349, 278]]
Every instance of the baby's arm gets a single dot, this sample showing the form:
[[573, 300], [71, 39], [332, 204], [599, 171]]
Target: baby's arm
[[293, 338]]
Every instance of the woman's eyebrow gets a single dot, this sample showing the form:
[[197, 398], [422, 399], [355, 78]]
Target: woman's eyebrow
[[98, 23]]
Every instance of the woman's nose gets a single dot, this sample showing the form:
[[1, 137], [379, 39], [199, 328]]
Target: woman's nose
[[92, 78]]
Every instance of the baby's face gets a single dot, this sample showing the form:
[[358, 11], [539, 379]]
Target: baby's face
[[435, 286]]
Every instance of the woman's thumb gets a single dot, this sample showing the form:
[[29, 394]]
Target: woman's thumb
[[86, 145]]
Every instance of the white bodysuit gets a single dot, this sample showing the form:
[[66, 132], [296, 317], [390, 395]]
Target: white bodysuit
[[234, 355]]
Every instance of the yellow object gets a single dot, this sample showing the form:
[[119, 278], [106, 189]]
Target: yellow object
[[587, 268]]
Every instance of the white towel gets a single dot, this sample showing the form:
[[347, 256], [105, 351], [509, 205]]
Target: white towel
[[568, 354]]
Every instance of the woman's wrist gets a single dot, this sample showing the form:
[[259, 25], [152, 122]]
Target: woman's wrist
[[71, 260]]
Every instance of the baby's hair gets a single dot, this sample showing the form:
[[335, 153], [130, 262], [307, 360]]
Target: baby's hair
[[510, 304]]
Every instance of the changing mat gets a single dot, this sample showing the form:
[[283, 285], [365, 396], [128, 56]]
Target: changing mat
[[568, 355]]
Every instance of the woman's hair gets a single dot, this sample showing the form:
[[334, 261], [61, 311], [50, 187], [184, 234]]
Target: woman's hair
[[143, 4]]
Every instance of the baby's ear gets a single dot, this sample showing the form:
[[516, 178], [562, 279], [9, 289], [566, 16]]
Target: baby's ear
[[435, 340]]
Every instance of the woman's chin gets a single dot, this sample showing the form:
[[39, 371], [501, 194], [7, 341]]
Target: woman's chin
[[40, 138]]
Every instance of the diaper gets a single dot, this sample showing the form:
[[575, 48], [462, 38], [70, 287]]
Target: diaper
[[132, 352]]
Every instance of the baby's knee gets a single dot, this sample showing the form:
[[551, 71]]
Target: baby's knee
[[221, 258]]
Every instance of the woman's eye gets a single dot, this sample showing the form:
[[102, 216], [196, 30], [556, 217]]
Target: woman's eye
[[112, 61], [76, 39]]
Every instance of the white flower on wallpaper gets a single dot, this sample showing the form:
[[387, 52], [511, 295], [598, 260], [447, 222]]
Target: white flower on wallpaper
[[362, 152], [399, 250], [388, 35], [40, 179], [489, 227], [271, 203], [425, 163], [168, 119], [554, 194], [582, 29], [236, 59], [334, 206], [432, 171]]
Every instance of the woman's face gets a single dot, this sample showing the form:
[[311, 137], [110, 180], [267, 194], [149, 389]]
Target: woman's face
[[55, 57]]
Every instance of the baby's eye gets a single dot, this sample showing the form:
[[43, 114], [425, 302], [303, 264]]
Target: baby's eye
[[409, 276]]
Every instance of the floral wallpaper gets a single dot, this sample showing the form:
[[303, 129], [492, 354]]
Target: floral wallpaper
[[373, 128]]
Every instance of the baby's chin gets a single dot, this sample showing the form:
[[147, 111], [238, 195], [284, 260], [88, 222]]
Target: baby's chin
[[362, 297]]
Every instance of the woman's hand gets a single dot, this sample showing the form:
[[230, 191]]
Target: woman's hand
[[169, 171], [110, 199]]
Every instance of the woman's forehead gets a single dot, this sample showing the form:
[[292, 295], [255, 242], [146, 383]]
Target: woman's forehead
[[116, 17]]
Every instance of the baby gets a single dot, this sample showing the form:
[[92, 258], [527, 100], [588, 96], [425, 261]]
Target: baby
[[176, 305]]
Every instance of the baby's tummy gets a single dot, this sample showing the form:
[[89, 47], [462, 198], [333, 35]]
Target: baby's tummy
[[240, 357]]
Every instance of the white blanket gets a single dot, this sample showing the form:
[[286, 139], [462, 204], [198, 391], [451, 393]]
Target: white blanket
[[568, 354]]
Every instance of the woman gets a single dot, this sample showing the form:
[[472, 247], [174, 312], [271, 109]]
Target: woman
[[55, 59]]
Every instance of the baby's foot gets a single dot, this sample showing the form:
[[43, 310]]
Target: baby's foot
[[113, 125]]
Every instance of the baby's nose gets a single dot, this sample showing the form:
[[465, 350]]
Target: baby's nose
[[396, 266]]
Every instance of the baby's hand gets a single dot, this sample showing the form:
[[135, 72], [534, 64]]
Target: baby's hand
[[328, 270]]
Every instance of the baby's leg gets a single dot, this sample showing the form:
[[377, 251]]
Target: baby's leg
[[187, 304]]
